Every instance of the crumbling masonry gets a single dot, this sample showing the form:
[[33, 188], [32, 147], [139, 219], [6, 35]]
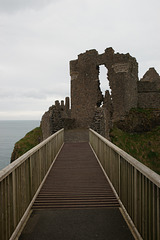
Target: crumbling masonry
[[89, 108]]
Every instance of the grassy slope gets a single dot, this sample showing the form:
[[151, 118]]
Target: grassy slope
[[30, 140], [145, 147]]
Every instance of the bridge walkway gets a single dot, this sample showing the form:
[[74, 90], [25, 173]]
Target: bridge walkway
[[76, 201]]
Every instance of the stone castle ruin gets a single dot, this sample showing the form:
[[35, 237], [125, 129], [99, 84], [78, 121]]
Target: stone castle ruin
[[89, 108]]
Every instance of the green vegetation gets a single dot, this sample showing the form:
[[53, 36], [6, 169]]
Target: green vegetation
[[30, 140], [142, 110], [145, 146]]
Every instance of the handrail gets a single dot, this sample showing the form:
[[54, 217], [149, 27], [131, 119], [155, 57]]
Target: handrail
[[137, 186], [8, 169], [153, 176], [20, 180]]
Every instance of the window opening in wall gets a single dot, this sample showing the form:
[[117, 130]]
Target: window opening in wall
[[103, 78]]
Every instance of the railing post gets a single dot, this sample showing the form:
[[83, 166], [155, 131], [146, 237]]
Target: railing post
[[158, 213], [14, 199], [119, 172], [30, 177], [135, 197]]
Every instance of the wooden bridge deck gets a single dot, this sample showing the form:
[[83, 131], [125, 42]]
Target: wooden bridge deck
[[76, 201]]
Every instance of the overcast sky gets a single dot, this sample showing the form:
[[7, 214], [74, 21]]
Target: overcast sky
[[38, 38]]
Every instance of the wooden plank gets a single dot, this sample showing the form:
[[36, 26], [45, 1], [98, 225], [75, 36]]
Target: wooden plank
[[76, 181]]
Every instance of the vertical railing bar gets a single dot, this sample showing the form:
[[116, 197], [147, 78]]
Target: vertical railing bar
[[1, 210], [7, 203], [129, 187], [30, 170], [119, 175], [138, 217], [135, 197], [143, 205], [126, 185], [132, 193], [140, 201], [158, 213], [19, 192], [4, 212], [109, 163], [14, 198], [149, 210], [153, 217], [146, 208]]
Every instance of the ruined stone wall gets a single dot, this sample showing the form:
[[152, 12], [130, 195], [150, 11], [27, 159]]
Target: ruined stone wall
[[108, 114], [123, 77], [149, 90], [98, 122], [86, 95], [102, 120], [55, 118]]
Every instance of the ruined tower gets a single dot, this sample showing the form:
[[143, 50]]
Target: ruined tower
[[86, 95]]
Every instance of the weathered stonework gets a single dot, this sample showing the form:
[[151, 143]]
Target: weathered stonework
[[54, 119], [89, 108], [123, 77], [151, 76], [86, 95], [149, 90]]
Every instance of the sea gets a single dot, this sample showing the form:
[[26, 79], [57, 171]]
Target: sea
[[12, 131]]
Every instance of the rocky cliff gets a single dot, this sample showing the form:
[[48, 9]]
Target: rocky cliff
[[30, 140]]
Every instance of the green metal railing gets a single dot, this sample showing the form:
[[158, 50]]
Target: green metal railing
[[20, 182], [137, 186]]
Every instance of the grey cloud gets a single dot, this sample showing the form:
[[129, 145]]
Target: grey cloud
[[17, 5], [34, 93], [21, 94], [44, 93]]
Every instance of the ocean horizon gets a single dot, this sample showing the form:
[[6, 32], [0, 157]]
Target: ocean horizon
[[12, 131]]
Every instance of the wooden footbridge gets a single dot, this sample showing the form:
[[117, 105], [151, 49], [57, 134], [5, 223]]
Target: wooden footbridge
[[78, 185]]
